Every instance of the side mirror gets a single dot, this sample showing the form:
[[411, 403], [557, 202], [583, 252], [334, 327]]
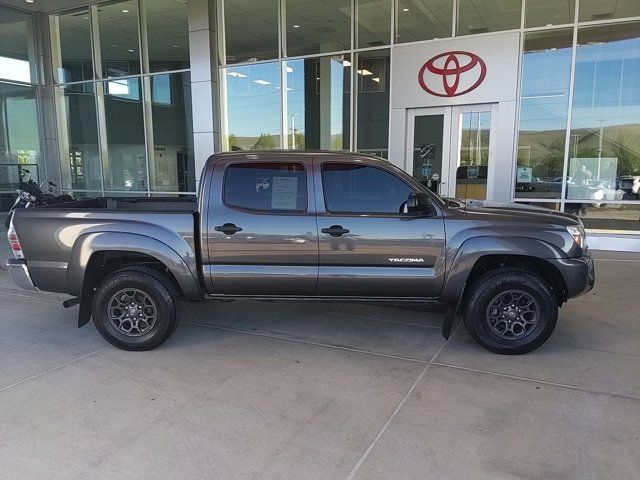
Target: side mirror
[[419, 202]]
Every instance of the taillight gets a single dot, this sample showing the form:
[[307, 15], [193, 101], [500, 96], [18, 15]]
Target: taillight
[[14, 242]]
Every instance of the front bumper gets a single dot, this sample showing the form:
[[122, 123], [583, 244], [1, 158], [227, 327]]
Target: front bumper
[[579, 274], [19, 273]]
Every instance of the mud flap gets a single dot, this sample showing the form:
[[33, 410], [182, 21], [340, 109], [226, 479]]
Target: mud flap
[[84, 312], [451, 319]]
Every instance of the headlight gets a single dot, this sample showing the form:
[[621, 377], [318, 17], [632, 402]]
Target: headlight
[[578, 234]]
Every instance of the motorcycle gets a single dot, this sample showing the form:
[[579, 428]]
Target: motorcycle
[[31, 193]]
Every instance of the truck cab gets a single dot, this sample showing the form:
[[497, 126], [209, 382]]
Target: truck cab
[[318, 225]]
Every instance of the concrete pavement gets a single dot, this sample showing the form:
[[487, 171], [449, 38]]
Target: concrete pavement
[[306, 391]]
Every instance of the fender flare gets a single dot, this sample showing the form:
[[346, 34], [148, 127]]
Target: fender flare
[[472, 249], [88, 244]]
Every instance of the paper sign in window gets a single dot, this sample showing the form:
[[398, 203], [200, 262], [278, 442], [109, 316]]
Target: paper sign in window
[[284, 193]]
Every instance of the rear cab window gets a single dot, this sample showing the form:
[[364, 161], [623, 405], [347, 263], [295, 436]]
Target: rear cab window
[[266, 187]]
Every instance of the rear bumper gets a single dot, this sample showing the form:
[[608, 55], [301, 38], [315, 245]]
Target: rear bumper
[[579, 274], [19, 273]]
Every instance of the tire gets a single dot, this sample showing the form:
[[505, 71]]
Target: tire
[[136, 308], [510, 311]]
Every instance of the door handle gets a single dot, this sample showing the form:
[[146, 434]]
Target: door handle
[[227, 229], [335, 230]]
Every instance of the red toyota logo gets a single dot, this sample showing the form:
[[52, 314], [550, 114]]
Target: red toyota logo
[[452, 74]]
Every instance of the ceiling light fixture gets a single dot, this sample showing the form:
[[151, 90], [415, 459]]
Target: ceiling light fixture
[[405, 9], [364, 72], [29, 1], [289, 69], [296, 26], [376, 79], [346, 63], [262, 82], [124, 10], [236, 74], [131, 50]]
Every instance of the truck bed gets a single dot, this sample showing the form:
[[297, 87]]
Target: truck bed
[[57, 239]]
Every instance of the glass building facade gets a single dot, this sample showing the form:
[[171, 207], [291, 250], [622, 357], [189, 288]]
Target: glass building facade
[[123, 98], [302, 74], [20, 150], [312, 74]]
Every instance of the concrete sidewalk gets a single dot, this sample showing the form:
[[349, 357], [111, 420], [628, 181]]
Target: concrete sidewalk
[[302, 391]]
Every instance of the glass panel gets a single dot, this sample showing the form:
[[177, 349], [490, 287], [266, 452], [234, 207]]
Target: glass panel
[[71, 46], [544, 106], [253, 106], [549, 12], [423, 19], [481, 16], [172, 169], [167, 35], [266, 186], [605, 9], [317, 26], [611, 217], [15, 39], [126, 166], [473, 155], [605, 130], [78, 132], [373, 103], [360, 189], [427, 150], [251, 30], [19, 137], [119, 49], [318, 103], [374, 22]]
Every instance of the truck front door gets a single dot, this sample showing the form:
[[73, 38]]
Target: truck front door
[[262, 235], [368, 247]]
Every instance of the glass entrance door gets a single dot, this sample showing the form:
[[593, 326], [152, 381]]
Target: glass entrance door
[[450, 149], [428, 147]]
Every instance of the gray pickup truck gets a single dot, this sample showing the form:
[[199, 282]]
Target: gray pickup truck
[[313, 226]]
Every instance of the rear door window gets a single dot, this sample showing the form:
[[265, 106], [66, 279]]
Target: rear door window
[[353, 188], [266, 187]]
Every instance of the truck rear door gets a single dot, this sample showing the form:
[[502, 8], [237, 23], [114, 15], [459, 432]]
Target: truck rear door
[[367, 246], [262, 236]]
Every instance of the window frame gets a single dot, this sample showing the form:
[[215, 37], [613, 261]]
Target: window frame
[[268, 211], [369, 214]]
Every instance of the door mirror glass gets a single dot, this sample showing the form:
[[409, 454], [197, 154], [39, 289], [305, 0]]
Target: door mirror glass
[[420, 203]]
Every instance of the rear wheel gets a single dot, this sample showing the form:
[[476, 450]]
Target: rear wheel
[[510, 311], [136, 308]]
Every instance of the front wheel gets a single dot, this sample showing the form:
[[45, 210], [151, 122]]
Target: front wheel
[[510, 311], [135, 308]]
